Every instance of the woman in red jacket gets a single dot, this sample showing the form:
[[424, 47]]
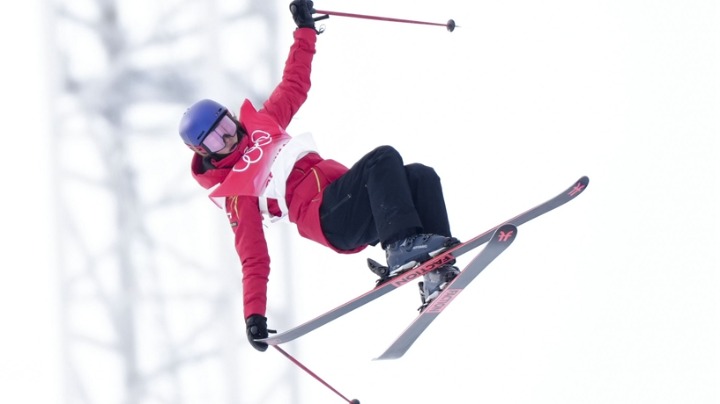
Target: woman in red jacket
[[256, 171]]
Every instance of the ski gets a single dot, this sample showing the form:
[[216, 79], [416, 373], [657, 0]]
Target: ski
[[406, 277], [500, 241]]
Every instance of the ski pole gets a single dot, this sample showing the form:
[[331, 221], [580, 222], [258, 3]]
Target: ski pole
[[310, 372], [450, 25]]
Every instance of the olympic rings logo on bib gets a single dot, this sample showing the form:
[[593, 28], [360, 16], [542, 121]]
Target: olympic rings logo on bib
[[253, 153]]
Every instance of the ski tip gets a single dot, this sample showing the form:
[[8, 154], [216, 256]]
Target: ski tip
[[505, 233], [579, 186]]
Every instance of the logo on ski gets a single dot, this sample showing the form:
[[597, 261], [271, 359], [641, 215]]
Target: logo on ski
[[505, 236], [579, 187], [442, 301], [409, 276]]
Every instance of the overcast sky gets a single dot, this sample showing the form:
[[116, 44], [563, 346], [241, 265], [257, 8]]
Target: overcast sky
[[610, 299]]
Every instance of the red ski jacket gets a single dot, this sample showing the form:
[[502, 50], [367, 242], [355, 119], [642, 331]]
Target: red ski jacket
[[304, 186]]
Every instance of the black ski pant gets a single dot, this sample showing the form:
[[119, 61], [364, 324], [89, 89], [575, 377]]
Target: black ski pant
[[382, 200]]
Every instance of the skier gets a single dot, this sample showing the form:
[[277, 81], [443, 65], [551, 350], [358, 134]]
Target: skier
[[257, 171]]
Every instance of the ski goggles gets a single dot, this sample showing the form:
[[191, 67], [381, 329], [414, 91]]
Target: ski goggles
[[214, 141]]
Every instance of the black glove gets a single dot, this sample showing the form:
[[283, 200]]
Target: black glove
[[302, 11], [256, 329]]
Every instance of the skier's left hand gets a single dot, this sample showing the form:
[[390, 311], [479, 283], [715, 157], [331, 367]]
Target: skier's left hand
[[302, 11], [256, 329]]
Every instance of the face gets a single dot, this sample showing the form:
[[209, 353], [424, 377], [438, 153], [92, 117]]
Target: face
[[222, 140], [230, 142]]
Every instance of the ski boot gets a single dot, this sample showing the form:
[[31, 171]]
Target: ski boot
[[408, 253]]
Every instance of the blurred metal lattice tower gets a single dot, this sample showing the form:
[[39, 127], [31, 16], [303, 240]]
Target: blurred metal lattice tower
[[151, 290]]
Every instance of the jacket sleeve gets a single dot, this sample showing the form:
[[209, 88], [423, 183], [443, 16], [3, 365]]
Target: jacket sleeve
[[246, 221], [291, 93]]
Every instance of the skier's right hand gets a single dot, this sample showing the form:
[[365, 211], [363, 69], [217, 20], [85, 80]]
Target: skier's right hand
[[257, 329], [302, 11]]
